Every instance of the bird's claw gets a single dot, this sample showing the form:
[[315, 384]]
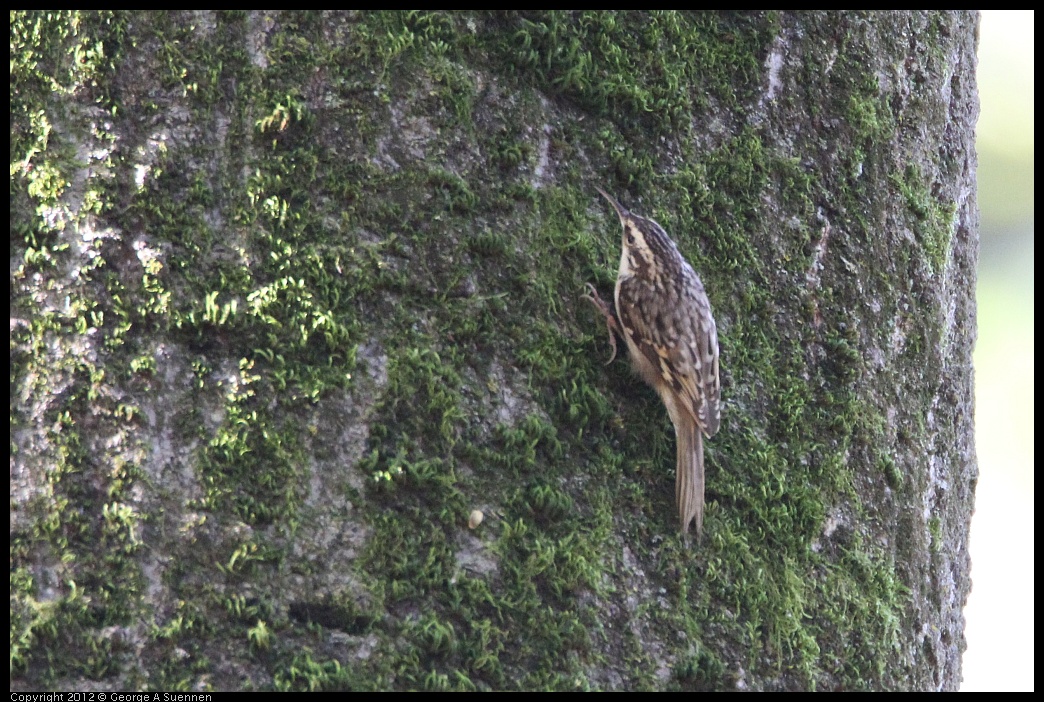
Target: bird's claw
[[610, 319]]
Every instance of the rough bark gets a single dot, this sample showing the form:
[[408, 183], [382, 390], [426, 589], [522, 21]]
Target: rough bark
[[293, 294]]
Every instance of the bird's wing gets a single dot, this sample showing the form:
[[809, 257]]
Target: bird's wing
[[684, 351]]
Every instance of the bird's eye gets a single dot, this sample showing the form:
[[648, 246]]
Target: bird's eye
[[630, 237]]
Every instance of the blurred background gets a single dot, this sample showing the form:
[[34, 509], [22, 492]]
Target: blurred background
[[1000, 609]]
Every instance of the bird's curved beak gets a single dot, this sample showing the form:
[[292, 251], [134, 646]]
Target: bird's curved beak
[[621, 212]]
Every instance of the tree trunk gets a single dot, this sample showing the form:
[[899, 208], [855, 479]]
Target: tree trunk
[[295, 294]]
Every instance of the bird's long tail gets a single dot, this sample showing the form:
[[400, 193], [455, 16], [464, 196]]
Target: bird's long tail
[[688, 485]]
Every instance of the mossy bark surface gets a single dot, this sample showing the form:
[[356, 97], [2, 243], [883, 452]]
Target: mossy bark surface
[[294, 294]]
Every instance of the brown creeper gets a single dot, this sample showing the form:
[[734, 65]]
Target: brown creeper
[[665, 318]]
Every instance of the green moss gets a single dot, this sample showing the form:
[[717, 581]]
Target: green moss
[[931, 220], [302, 672], [381, 185]]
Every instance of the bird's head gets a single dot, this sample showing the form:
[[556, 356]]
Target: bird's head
[[646, 247]]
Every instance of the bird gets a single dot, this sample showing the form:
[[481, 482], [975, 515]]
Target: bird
[[665, 319]]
